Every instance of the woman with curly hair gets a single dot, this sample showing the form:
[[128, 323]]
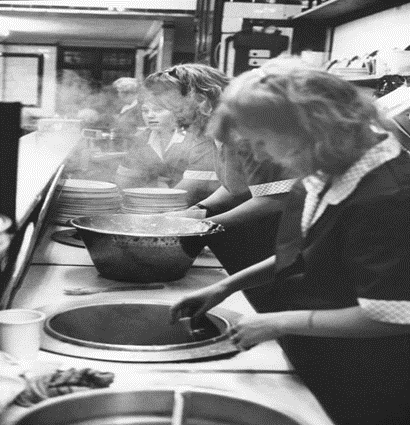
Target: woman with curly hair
[[253, 185], [192, 91], [180, 155], [337, 294]]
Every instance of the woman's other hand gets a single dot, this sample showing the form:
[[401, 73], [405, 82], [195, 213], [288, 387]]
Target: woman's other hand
[[192, 212], [197, 303], [252, 330]]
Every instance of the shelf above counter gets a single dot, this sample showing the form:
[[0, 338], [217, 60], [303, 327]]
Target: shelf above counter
[[346, 10]]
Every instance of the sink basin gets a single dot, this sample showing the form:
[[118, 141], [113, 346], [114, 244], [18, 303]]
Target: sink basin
[[161, 406], [134, 331]]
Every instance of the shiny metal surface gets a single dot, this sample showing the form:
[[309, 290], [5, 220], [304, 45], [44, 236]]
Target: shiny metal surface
[[141, 248], [134, 331], [5, 224], [170, 406], [68, 237]]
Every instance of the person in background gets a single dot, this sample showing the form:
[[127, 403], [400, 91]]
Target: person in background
[[129, 119], [190, 92], [160, 153], [339, 296], [98, 159]]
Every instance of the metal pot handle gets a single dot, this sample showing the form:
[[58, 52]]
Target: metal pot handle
[[214, 227]]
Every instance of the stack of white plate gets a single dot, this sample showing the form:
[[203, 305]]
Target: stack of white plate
[[156, 200], [76, 198]]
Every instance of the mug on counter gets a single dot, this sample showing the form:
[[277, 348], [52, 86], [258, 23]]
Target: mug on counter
[[20, 332]]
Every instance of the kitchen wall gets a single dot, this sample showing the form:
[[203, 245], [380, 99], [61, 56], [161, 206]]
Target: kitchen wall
[[42, 34], [163, 46], [385, 30]]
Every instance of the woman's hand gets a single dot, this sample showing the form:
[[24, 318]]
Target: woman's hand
[[197, 303], [192, 212], [252, 330]]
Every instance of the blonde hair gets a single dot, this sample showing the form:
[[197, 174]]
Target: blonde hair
[[329, 115], [199, 82]]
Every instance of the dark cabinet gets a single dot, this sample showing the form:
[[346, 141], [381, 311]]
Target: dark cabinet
[[10, 115], [98, 66], [208, 31]]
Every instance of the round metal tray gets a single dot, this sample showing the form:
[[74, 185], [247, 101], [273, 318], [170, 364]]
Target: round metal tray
[[134, 331]]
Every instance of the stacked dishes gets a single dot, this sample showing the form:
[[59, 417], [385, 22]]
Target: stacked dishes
[[153, 200], [76, 198]]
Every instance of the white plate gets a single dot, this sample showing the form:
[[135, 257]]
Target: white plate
[[64, 194], [90, 202], [153, 204], [78, 185], [154, 191], [150, 210]]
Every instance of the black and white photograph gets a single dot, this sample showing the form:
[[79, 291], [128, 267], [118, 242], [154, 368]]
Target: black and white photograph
[[205, 212]]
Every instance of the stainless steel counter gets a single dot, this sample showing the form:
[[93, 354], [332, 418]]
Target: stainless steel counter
[[45, 285], [262, 372]]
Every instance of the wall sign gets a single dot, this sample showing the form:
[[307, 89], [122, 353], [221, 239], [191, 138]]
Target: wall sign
[[22, 78]]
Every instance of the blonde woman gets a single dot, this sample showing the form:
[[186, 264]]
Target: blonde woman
[[337, 294], [252, 186], [184, 156]]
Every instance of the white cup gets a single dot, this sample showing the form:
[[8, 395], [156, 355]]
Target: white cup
[[20, 332]]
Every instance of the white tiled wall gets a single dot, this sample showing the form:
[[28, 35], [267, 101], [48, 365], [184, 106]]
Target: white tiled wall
[[385, 30]]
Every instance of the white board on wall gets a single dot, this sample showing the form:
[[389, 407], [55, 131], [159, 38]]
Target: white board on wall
[[21, 80]]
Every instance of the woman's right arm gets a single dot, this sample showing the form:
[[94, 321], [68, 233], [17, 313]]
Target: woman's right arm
[[222, 200], [203, 300], [256, 275]]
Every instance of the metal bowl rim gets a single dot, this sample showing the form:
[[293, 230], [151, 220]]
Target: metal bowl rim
[[168, 347], [231, 394], [212, 228], [51, 344]]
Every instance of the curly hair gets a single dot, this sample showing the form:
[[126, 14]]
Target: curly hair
[[201, 83], [334, 121]]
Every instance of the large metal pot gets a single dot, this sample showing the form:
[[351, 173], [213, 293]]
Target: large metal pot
[[155, 406], [143, 248]]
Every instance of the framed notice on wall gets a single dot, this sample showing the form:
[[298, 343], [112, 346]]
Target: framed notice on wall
[[22, 78]]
